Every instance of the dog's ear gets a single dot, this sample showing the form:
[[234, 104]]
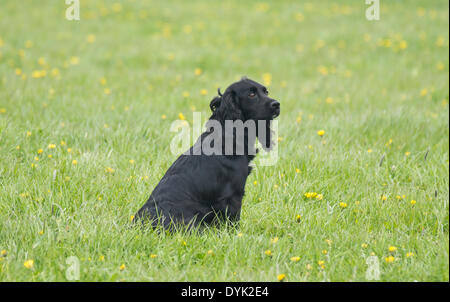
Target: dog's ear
[[226, 107], [264, 133]]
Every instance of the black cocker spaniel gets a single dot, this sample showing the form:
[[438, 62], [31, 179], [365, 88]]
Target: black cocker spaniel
[[205, 185]]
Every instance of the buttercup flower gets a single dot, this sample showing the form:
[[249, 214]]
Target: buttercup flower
[[392, 249], [389, 259], [91, 38], [267, 79], [29, 264], [311, 195]]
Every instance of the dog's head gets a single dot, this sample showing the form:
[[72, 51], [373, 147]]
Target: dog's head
[[246, 100]]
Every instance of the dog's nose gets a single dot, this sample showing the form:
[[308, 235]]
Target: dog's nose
[[275, 105]]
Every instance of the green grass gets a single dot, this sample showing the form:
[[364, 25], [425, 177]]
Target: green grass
[[148, 51]]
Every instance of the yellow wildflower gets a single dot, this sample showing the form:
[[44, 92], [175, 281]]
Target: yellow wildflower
[[74, 60], [409, 254], [29, 263], [392, 249], [403, 44], [389, 259], [91, 38], [267, 79], [295, 259]]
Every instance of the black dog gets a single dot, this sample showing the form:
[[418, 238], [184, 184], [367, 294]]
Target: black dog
[[203, 187]]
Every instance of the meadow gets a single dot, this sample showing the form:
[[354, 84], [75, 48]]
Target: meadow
[[362, 178]]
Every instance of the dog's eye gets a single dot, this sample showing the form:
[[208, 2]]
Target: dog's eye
[[266, 92], [252, 94]]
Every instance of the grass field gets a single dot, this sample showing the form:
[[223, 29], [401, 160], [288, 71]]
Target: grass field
[[85, 114]]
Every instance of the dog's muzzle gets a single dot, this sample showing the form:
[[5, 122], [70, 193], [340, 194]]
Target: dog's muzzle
[[275, 106]]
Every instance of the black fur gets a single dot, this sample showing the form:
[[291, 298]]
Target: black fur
[[204, 189]]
